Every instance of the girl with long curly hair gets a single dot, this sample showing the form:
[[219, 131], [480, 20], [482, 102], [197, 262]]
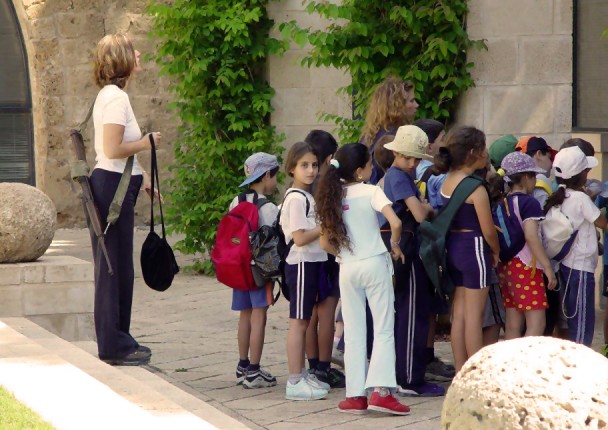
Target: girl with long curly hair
[[346, 211], [392, 105]]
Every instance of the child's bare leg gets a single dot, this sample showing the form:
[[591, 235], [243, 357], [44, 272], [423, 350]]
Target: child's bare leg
[[491, 334], [244, 333], [296, 338], [258, 331], [459, 349], [312, 336], [474, 304], [535, 322], [326, 315], [515, 324]]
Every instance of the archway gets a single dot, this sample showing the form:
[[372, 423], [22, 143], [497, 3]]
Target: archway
[[16, 128]]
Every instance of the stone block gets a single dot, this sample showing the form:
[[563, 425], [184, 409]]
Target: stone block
[[563, 17], [519, 110], [54, 112], [303, 106], [497, 65], [546, 60], [36, 11], [43, 28], [287, 72], [46, 54], [73, 54], [52, 82], [563, 109], [78, 25], [71, 327], [509, 18], [329, 77], [79, 81], [57, 298], [10, 300], [470, 108], [32, 273], [79, 272], [10, 274], [285, 5]]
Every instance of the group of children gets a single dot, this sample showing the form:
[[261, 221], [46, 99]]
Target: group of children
[[352, 216]]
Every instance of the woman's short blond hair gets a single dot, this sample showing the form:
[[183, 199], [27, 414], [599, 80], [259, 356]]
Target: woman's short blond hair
[[114, 60]]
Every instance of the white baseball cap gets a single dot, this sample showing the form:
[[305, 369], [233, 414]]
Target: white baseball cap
[[571, 161]]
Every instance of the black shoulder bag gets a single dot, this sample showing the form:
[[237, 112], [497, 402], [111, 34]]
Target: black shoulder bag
[[158, 265]]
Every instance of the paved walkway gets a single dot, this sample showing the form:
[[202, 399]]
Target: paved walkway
[[192, 333]]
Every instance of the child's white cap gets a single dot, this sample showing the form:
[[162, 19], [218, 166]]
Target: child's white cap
[[257, 165], [569, 162]]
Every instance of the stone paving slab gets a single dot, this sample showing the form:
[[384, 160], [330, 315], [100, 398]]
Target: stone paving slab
[[192, 333]]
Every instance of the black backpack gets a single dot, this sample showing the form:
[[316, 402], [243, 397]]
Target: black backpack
[[432, 235], [282, 247]]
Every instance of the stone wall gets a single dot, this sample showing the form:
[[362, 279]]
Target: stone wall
[[524, 79], [302, 93], [60, 36]]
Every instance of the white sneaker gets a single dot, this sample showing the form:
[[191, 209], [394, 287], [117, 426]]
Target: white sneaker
[[304, 390], [313, 380]]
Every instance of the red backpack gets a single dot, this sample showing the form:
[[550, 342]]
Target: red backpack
[[231, 254]]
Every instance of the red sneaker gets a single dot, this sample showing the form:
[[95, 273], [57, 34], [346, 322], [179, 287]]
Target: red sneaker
[[353, 405], [387, 404]]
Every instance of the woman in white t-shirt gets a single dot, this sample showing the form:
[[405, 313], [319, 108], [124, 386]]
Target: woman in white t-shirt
[[347, 212], [577, 268], [117, 137]]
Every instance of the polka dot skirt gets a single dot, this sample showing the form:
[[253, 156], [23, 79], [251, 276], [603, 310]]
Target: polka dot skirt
[[522, 287]]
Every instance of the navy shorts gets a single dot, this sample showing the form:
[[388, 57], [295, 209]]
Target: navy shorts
[[305, 280], [469, 259], [331, 288]]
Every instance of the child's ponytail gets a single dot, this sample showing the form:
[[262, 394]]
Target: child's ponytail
[[328, 198], [557, 198]]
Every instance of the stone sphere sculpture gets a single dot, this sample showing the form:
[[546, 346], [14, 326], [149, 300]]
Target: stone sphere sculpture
[[529, 383], [28, 220]]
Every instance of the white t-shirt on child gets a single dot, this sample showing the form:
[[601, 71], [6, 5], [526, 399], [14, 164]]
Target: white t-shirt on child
[[293, 218], [359, 207], [581, 211], [112, 106]]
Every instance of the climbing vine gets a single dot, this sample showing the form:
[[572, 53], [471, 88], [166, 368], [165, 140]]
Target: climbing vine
[[423, 41], [215, 53]]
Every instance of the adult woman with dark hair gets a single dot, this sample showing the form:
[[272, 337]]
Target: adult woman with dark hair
[[392, 105], [117, 137]]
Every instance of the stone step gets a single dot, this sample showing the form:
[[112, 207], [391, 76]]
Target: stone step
[[73, 389]]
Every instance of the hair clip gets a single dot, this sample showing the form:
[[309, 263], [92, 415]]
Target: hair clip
[[562, 186], [335, 163], [501, 172]]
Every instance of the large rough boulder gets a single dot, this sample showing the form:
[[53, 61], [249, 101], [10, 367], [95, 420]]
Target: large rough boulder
[[530, 383], [28, 220]]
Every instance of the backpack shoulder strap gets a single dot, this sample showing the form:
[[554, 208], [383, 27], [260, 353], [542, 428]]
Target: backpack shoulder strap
[[302, 193], [543, 186], [462, 192], [427, 174]]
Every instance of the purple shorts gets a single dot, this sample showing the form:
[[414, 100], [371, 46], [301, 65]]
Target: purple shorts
[[469, 259]]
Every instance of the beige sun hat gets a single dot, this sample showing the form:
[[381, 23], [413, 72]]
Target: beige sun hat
[[410, 141]]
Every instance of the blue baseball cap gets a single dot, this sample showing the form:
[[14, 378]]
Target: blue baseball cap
[[257, 165]]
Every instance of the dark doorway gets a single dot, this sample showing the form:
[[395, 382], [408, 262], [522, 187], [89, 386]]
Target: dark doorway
[[16, 133]]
